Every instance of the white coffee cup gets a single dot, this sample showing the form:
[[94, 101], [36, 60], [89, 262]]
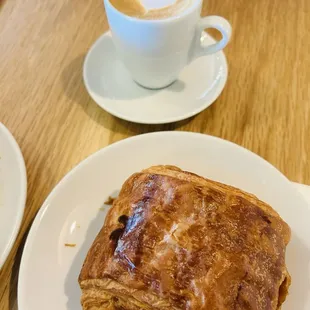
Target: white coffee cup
[[155, 51]]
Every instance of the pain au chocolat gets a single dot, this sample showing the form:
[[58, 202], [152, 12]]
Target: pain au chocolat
[[175, 240]]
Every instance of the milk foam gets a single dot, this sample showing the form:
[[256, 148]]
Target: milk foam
[[151, 9], [159, 9], [156, 4]]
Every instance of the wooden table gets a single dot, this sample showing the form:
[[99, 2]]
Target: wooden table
[[264, 107]]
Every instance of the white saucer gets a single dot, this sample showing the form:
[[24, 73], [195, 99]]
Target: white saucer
[[74, 212], [13, 189], [109, 84]]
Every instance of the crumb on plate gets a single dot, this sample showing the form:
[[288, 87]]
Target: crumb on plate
[[109, 201], [70, 245]]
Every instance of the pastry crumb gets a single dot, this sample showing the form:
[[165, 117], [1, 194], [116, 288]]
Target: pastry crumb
[[70, 245], [109, 201], [102, 209]]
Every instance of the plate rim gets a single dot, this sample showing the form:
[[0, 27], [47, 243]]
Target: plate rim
[[62, 182], [196, 111], [23, 194]]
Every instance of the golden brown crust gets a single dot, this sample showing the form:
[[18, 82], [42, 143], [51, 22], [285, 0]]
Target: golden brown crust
[[174, 240]]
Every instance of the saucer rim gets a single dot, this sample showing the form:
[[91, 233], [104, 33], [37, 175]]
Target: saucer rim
[[219, 89]]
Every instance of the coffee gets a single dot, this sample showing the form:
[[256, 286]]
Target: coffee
[[151, 9]]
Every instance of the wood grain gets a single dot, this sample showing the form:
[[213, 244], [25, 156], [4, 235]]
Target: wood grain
[[264, 107]]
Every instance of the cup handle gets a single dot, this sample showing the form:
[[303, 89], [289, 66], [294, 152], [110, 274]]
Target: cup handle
[[217, 22]]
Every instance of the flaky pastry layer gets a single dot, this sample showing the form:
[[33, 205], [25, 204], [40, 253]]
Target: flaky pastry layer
[[175, 240]]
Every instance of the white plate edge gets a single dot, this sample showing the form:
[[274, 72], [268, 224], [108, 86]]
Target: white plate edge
[[22, 204], [63, 181]]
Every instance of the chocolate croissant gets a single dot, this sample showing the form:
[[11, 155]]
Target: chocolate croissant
[[175, 240]]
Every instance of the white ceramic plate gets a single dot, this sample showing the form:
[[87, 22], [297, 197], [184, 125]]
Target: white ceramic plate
[[109, 84], [13, 189], [72, 214]]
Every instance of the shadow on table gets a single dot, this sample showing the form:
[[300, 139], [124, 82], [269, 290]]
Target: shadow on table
[[73, 85], [15, 271], [72, 289]]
